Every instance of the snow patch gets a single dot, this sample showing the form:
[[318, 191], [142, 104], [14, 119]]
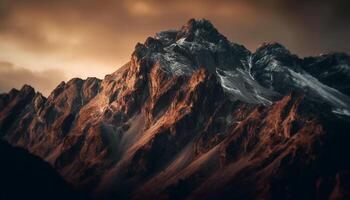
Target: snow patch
[[331, 95], [240, 85], [341, 111], [250, 66]]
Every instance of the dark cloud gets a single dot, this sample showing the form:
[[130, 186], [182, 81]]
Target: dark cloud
[[12, 76], [108, 29], [113, 26], [94, 37]]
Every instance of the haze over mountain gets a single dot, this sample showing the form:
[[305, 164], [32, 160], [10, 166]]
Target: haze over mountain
[[193, 115]]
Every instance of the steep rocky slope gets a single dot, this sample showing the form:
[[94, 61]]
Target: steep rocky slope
[[195, 116]]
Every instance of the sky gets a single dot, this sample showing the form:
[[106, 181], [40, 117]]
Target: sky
[[45, 42]]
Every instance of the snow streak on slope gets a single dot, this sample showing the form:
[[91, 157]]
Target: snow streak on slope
[[240, 85], [341, 111], [340, 101], [175, 58], [174, 64]]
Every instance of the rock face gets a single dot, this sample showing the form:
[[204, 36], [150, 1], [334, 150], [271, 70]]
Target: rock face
[[195, 116]]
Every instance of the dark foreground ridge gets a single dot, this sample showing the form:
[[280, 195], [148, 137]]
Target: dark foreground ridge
[[24, 176]]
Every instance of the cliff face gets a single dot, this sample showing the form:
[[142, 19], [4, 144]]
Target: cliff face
[[193, 115]]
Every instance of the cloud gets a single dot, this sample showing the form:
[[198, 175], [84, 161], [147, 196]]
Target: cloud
[[12, 76], [95, 37], [106, 31]]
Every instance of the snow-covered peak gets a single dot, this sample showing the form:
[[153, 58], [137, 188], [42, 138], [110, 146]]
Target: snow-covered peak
[[200, 31], [274, 67], [272, 48], [258, 78], [197, 44]]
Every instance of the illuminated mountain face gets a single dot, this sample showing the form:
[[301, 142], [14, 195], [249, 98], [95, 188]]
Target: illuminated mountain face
[[193, 115]]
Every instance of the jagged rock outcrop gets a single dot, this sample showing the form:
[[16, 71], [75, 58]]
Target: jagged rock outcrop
[[194, 116]]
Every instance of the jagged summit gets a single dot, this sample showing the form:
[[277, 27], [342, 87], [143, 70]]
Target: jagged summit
[[197, 44], [193, 25], [257, 78], [272, 48], [199, 29], [194, 31]]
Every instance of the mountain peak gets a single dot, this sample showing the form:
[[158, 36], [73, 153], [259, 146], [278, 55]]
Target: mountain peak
[[27, 90], [194, 24], [275, 50], [201, 28], [272, 46]]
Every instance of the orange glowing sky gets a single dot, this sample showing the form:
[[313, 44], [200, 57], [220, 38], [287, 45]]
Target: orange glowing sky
[[44, 42]]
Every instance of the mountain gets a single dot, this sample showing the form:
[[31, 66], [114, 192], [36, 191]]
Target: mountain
[[195, 116]]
